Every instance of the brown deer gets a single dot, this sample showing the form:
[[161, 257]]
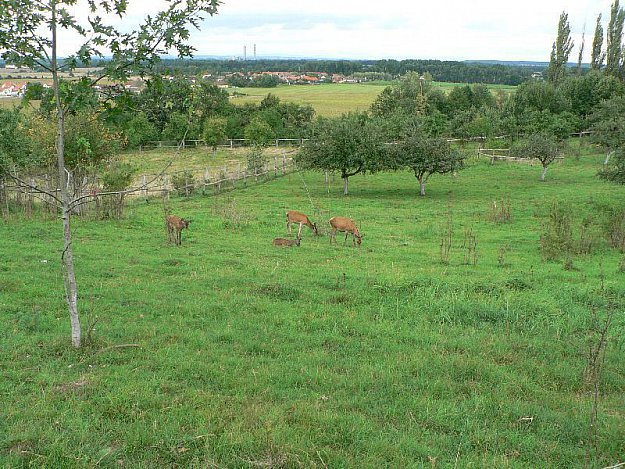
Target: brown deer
[[293, 216], [175, 225], [287, 242], [346, 225]]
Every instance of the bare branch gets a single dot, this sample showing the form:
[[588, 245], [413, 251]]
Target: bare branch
[[35, 188]]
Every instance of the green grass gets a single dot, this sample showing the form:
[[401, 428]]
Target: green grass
[[379, 356]]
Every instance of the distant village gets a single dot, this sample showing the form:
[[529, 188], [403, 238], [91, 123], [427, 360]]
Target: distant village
[[15, 80]]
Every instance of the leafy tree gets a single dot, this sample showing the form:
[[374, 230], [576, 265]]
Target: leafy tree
[[543, 147], [181, 127], [614, 38], [34, 92], [256, 160], [614, 171], [270, 101], [426, 156], [435, 124], [259, 132], [88, 142], [208, 100], [140, 131], [351, 144], [162, 98], [608, 130], [560, 52], [580, 57], [15, 146], [215, 131], [539, 96], [406, 96], [460, 98], [79, 95], [29, 35], [116, 177], [265, 81], [597, 55]]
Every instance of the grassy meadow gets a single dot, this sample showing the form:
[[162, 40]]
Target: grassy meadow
[[230, 352], [332, 100], [328, 100]]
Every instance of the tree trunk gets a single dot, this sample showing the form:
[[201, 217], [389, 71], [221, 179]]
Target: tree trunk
[[421, 188], [345, 185], [67, 258], [544, 174]]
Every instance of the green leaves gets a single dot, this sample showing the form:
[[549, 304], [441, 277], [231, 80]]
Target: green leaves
[[427, 155]]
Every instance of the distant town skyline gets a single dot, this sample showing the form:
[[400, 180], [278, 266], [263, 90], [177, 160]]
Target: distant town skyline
[[395, 29]]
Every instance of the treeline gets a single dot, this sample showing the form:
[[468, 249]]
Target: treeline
[[443, 71]]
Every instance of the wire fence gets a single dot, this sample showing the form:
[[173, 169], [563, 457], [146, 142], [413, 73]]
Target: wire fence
[[229, 143], [27, 194]]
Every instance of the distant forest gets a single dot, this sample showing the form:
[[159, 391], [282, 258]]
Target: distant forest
[[443, 71]]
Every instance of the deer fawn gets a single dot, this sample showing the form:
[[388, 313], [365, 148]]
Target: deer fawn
[[346, 225], [286, 242], [175, 225], [293, 216]]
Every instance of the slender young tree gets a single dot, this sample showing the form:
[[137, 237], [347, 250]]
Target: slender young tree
[[580, 57], [614, 38], [598, 55], [30, 35], [560, 51]]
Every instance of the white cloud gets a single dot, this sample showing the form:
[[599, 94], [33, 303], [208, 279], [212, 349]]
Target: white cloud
[[451, 29]]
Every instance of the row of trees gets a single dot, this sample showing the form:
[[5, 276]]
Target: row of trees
[[597, 98], [359, 144], [176, 109]]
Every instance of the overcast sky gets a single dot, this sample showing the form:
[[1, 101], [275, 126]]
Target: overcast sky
[[397, 29], [390, 29]]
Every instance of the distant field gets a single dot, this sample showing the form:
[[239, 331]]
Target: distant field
[[332, 99], [9, 103], [327, 100]]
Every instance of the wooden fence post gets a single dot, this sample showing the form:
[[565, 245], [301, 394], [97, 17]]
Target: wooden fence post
[[31, 196]]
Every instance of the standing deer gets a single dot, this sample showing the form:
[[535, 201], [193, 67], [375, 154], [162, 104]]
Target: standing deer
[[287, 242], [293, 216], [175, 225], [346, 225]]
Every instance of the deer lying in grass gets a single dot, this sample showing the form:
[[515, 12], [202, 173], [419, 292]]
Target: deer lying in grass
[[175, 225], [286, 242], [346, 225], [293, 216]]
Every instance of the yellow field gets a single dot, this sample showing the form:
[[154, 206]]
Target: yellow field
[[327, 100], [331, 100]]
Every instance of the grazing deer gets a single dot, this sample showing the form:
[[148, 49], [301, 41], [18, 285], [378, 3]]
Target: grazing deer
[[293, 216], [286, 242], [346, 225], [175, 225]]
